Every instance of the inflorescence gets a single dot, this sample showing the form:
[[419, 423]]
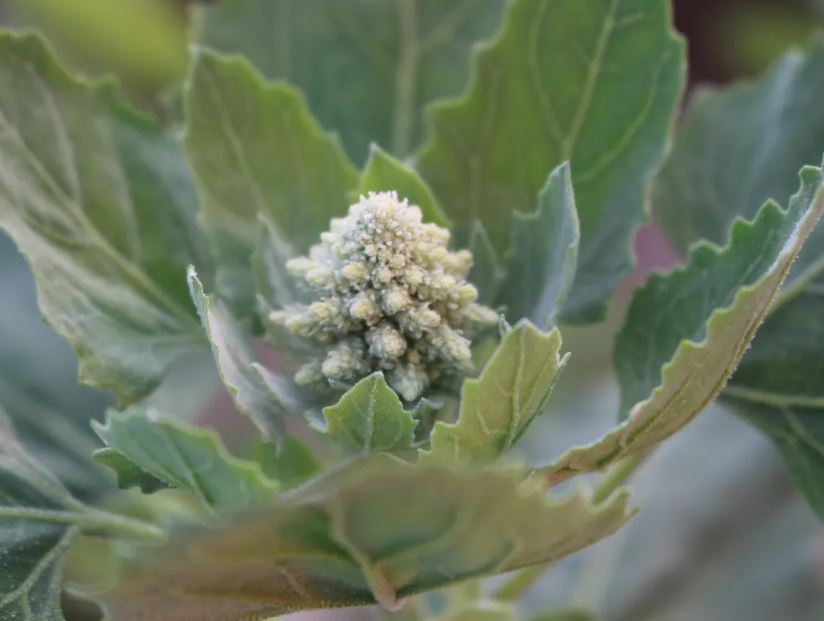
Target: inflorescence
[[392, 298]]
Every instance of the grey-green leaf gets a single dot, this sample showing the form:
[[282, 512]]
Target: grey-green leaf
[[256, 151], [543, 253], [187, 457], [367, 67], [370, 418], [740, 146], [37, 526], [686, 331], [290, 465], [592, 82], [497, 407], [798, 433], [99, 201], [378, 530], [384, 173]]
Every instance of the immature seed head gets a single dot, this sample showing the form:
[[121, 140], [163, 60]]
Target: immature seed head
[[390, 297]]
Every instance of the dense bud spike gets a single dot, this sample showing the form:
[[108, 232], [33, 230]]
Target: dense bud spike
[[391, 297]]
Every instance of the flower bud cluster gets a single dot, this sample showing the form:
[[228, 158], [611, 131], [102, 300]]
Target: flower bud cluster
[[391, 297]]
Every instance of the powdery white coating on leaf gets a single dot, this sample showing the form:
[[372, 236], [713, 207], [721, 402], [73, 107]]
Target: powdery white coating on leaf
[[391, 297]]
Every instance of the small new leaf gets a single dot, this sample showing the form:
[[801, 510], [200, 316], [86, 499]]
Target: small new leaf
[[383, 173], [186, 457], [370, 418], [543, 253], [497, 408], [686, 331], [259, 393]]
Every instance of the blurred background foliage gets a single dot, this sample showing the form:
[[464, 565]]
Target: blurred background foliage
[[722, 534]]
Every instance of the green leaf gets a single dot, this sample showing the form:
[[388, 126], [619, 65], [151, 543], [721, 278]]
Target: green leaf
[[785, 364], [740, 146], [256, 152], [798, 433], [370, 418], [483, 610], [98, 200], [262, 395], [128, 473], [290, 465], [543, 253], [187, 457], [367, 67], [384, 173], [592, 82], [37, 527], [376, 530], [573, 614], [686, 331], [497, 408]]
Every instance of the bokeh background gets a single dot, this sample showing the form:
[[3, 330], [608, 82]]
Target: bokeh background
[[721, 536]]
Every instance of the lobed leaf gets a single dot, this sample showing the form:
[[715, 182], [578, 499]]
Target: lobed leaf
[[543, 253], [376, 530], [187, 457], [592, 82], [384, 173], [368, 67], [497, 407], [686, 331], [256, 152], [99, 201], [370, 418]]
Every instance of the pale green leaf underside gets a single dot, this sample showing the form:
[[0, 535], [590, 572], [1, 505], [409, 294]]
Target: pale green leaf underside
[[592, 82], [257, 152], [370, 417], [383, 173], [99, 201], [686, 332], [497, 407], [187, 457], [377, 530], [367, 67], [543, 253]]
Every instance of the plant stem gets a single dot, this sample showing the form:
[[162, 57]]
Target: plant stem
[[514, 588]]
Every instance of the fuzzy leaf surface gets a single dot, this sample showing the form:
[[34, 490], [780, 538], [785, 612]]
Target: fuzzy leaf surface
[[38, 522], [290, 465], [370, 417], [592, 82], [497, 407], [256, 151], [187, 457], [384, 173], [543, 253], [376, 530], [367, 67], [686, 331], [128, 473], [99, 201]]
